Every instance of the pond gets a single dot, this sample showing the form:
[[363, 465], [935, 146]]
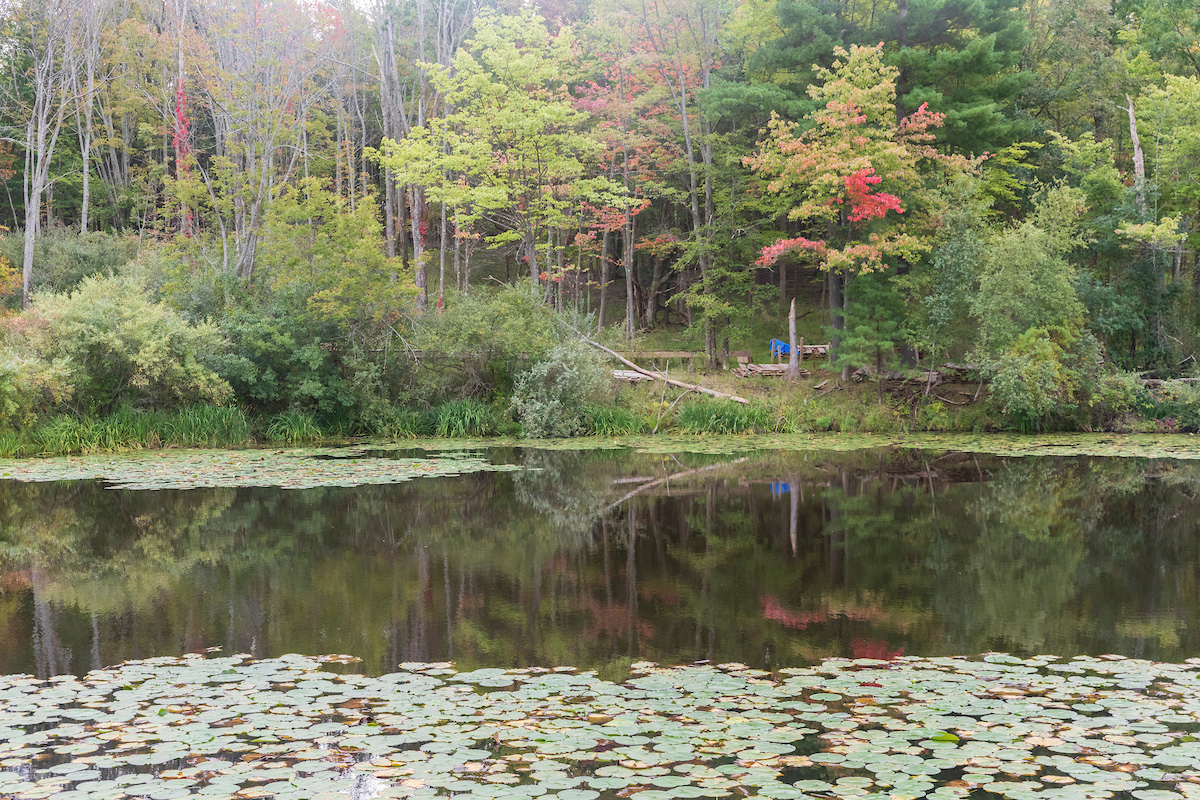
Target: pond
[[490, 621], [599, 558]]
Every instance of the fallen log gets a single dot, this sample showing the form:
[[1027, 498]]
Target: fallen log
[[664, 378], [952, 402]]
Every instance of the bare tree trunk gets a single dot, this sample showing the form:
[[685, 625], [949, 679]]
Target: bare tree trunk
[[603, 280], [52, 56], [793, 370], [1139, 161], [94, 17]]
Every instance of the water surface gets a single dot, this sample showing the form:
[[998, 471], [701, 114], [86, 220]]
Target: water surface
[[601, 559]]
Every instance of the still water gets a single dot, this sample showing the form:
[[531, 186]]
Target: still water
[[599, 559]]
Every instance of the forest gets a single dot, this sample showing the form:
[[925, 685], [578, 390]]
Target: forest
[[289, 218]]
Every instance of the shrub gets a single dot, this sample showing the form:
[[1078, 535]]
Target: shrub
[[1176, 401], [482, 342], [29, 386], [933, 416], [120, 348], [1035, 378], [65, 258], [1114, 398], [550, 398]]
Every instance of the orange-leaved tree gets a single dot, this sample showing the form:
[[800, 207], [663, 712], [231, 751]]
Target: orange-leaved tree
[[860, 178]]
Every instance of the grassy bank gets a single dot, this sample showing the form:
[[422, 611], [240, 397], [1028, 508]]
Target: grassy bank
[[775, 407], [127, 429], [818, 403]]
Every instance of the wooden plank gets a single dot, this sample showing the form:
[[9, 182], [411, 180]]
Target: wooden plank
[[630, 375], [764, 370], [663, 354]]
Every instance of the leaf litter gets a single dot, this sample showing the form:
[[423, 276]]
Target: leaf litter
[[943, 728]]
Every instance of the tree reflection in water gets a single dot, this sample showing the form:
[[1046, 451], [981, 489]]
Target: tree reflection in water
[[604, 558]]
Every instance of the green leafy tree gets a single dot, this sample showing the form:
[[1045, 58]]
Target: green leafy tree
[[514, 137], [1032, 341], [335, 253], [943, 284]]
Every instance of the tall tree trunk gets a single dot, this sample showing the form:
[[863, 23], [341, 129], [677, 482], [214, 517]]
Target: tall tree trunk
[[793, 370], [836, 320], [51, 57], [603, 280], [1139, 162]]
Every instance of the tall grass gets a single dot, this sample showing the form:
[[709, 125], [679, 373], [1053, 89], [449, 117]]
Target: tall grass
[[129, 429], [294, 427], [725, 416], [468, 417], [210, 426], [612, 421]]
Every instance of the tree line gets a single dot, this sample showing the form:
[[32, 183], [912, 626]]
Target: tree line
[[1009, 183]]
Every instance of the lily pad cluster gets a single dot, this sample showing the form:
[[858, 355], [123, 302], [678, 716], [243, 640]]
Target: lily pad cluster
[[288, 469], [999, 727]]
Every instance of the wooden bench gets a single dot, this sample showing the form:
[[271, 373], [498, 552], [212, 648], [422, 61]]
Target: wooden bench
[[742, 356]]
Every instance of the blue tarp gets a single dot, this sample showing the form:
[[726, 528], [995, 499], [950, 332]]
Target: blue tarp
[[779, 348]]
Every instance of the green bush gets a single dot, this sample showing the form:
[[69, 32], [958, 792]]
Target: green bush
[[1115, 399], [29, 386], [1175, 406], [461, 418], [550, 398], [64, 258], [1037, 378], [933, 416], [725, 416], [121, 349], [482, 342]]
